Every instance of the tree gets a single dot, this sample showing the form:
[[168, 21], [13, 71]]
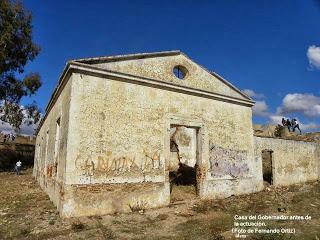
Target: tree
[[16, 50]]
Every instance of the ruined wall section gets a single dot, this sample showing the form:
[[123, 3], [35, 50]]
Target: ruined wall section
[[119, 139], [113, 137], [183, 147], [293, 161], [49, 164], [161, 68], [318, 156], [114, 149], [232, 167]]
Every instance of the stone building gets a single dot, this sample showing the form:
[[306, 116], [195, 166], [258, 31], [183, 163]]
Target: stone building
[[118, 129]]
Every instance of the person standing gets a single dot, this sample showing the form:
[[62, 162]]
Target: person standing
[[288, 124], [295, 125], [18, 167]]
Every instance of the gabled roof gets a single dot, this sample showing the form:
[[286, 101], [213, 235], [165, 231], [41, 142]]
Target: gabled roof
[[116, 58], [138, 56], [91, 66]]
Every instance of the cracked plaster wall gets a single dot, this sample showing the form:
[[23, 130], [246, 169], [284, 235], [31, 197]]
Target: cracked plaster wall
[[197, 77], [118, 135], [115, 143], [49, 168], [114, 147], [293, 161]]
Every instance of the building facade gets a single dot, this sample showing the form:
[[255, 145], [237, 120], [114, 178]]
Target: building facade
[[117, 127]]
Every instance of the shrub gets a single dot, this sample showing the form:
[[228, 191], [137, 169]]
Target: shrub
[[138, 206]]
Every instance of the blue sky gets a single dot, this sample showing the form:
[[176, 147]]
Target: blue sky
[[271, 48]]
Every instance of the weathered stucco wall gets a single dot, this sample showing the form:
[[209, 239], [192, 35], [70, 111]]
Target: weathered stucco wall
[[119, 132], [51, 147], [293, 161], [318, 157], [113, 151], [160, 68]]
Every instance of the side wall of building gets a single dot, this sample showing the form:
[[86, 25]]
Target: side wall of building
[[119, 146], [318, 157], [51, 147], [292, 161]]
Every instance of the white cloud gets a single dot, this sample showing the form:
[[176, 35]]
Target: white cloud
[[275, 119], [313, 55], [253, 94], [24, 128], [260, 108], [309, 126], [307, 104]]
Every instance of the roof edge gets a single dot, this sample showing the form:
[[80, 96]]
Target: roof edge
[[230, 85], [72, 67], [105, 72], [219, 78], [116, 58], [85, 64], [125, 57]]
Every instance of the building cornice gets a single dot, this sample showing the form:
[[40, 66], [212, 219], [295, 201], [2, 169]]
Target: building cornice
[[77, 67]]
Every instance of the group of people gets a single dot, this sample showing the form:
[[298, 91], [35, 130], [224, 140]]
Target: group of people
[[8, 137], [291, 125]]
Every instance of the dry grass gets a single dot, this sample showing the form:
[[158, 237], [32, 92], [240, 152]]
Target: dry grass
[[27, 213], [183, 193]]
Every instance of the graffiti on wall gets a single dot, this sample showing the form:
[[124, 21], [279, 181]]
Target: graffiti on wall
[[110, 164], [227, 162], [51, 170], [88, 168]]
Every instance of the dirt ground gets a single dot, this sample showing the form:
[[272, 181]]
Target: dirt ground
[[27, 213]]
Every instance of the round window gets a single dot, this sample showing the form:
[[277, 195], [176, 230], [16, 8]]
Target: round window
[[180, 72]]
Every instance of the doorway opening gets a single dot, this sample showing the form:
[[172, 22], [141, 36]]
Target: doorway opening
[[183, 162], [267, 166]]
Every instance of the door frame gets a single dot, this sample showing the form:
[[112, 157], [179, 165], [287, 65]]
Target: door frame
[[192, 122], [272, 165]]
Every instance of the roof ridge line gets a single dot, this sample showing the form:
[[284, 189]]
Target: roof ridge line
[[125, 56]]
